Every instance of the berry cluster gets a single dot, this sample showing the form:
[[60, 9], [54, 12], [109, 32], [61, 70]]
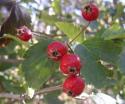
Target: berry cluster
[[24, 33], [70, 65]]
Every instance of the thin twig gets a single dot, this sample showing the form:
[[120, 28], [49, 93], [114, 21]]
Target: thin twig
[[46, 35], [17, 97], [50, 89], [10, 96], [70, 48], [11, 61], [84, 28]]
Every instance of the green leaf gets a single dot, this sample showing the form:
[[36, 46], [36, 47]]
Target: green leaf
[[9, 49], [2, 51], [49, 19], [52, 98], [4, 66], [92, 70], [70, 30], [119, 11], [37, 67], [100, 33], [56, 6], [114, 32], [106, 50], [20, 42], [121, 61], [12, 86]]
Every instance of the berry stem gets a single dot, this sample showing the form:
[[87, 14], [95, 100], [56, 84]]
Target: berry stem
[[84, 28], [70, 48]]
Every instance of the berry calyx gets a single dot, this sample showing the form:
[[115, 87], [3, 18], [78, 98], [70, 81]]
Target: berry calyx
[[90, 12], [24, 33], [56, 50], [70, 64], [73, 85]]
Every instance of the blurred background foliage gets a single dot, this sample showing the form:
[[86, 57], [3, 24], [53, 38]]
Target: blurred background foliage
[[101, 47]]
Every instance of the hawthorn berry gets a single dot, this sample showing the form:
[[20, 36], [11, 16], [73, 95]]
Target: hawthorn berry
[[70, 64], [25, 37], [90, 12], [56, 50], [24, 33], [73, 85]]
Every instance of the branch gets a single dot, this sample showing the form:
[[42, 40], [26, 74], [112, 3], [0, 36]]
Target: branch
[[11, 61], [10, 96], [40, 34], [25, 95], [46, 35], [47, 90]]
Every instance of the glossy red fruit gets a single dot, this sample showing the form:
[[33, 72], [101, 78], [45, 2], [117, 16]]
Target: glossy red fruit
[[24, 33], [56, 50], [90, 12], [70, 64], [25, 37], [73, 85]]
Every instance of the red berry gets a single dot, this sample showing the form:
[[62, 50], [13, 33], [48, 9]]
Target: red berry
[[73, 85], [25, 37], [24, 33], [90, 12], [70, 64], [56, 50]]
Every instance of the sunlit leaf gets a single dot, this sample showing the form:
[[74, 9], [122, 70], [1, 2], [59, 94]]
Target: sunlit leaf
[[114, 32], [70, 30]]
